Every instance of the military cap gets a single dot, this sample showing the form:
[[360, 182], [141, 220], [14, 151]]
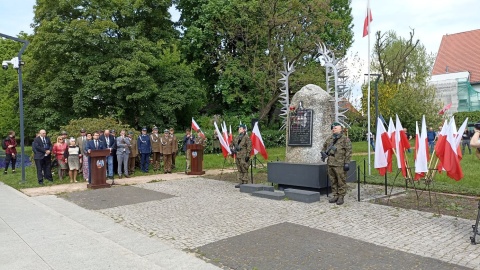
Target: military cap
[[166, 131], [334, 124], [242, 126], [82, 130], [130, 133], [64, 132], [144, 128], [112, 131], [155, 128]]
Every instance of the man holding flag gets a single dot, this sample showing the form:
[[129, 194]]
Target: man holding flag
[[241, 146]]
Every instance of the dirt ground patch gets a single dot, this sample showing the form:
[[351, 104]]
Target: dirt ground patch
[[436, 203]]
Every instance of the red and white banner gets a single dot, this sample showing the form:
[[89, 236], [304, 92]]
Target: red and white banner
[[197, 128], [367, 21], [391, 136], [257, 142], [401, 144], [451, 158], [421, 151], [223, 143], [382, 146]]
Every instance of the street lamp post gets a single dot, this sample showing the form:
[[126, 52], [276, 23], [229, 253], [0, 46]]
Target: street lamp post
[[20, 97], [369, 134]]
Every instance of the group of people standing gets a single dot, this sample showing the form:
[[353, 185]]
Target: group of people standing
[[159, 147]]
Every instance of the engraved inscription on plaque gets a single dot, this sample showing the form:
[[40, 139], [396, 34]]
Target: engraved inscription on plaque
[[301, 128]]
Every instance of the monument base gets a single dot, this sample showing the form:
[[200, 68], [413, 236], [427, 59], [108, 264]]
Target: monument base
[[304, 176]]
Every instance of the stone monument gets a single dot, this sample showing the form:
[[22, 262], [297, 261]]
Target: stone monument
[[318, 102]]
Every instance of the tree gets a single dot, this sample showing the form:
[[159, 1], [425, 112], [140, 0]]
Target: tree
[[240, 46], [405, 67], [110, 58]]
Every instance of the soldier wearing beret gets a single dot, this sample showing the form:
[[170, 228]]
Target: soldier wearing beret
[[241, 146], [155, 141], [337, 149], [166, 150]]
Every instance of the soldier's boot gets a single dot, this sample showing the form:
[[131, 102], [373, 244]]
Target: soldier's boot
[[334, 199], [340, 200]]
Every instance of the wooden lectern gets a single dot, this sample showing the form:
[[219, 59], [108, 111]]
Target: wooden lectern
[[98, 168], [196, 159]]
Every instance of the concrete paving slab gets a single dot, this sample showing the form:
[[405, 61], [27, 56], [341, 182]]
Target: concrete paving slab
[[292, 246], [114, 197]]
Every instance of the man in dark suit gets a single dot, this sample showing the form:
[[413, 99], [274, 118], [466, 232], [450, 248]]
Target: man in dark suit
[[109, 143], [94, 144], [43, 149]]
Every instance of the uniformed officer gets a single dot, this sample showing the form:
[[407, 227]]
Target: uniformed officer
[[338, 150], [155, 142], [144, 148], [133, 154], [166, 150], [175, 147], [241, 146]]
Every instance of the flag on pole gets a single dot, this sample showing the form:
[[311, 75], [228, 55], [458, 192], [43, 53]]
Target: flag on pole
[[391, 135], [421, 157], [367, 21], [230, 135], [440, 145], [458, 137], [401, 144], [223, 143], [197, 128], [257, 142], [451, 161], [445, 109], [382, 146]]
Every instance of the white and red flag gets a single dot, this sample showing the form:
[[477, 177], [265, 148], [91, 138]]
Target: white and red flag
[[223, 143], [445, 108], [230, 135], [401, 144], [382, 146], [451, 161], [440, 145], [421, 151], [257, 142], [391, 136], [367, 21], [197, 128]]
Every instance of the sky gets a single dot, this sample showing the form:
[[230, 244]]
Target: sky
[[431, 19]]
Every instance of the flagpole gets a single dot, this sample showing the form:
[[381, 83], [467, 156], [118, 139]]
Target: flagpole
[[368, 92]]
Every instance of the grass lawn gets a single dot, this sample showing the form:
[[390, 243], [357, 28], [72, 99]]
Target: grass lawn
[[469, 185]]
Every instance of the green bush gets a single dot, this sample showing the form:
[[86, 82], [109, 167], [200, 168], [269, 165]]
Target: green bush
[[357, 134], [91, 125]]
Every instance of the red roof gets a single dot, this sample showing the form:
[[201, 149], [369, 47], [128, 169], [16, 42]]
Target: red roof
[[459, 52]]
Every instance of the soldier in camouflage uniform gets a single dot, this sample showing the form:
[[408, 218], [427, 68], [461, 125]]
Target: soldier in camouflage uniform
[[241, 146], [338, 150]]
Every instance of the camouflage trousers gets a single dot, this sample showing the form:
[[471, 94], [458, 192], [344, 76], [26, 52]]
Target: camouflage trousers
[[242, 167], [338, 180]]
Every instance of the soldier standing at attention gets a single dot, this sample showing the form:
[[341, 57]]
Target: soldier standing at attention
[[144, 148], [166, 150], [338, 149], [175, 146], [133, 153], [155, 141], [242, 146]]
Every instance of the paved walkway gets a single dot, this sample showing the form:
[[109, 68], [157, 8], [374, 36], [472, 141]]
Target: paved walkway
[[49, 232]]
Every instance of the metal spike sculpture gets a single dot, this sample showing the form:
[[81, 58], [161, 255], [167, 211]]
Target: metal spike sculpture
[[336, 79], [284, 97]]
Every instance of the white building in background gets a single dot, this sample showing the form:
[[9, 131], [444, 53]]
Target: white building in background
[[456, 72]]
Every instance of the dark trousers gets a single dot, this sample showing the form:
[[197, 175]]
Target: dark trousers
[[9, 158], [44, 169], [144, 160]]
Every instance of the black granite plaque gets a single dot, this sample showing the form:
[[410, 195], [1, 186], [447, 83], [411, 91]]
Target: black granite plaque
[[301, 128]]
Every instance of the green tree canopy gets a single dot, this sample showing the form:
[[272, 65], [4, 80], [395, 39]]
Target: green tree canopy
[[112, 58], [241, 45]]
